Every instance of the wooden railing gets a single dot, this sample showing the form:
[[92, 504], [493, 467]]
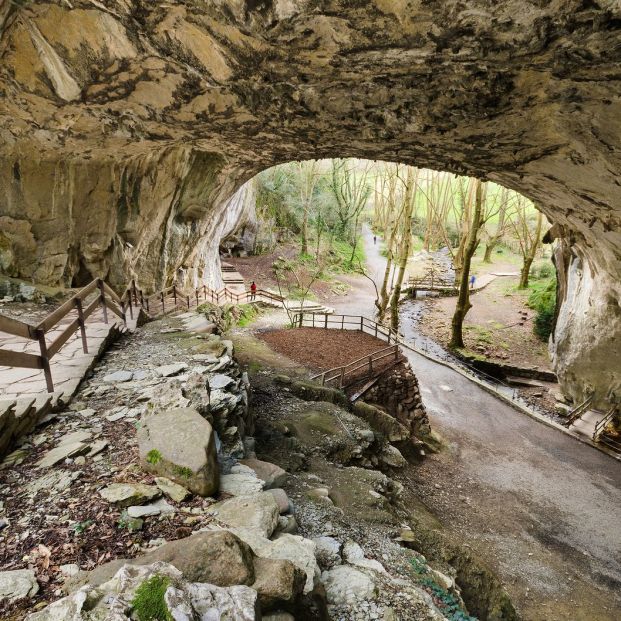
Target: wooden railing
[[339, 375], [174, 298], [579, 411], [132, 301], [84, 305], [601, 425], [430, 283], [347, 322]]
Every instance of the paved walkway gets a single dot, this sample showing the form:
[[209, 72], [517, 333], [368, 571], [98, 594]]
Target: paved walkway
[[68, 365]]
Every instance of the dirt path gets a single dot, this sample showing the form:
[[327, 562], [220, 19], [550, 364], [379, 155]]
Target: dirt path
[[540, 508]]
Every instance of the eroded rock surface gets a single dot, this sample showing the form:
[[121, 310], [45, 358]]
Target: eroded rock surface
[[127, 135]]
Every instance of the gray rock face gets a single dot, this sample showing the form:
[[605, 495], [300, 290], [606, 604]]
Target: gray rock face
[[17, 584], [348, 585], [180, 445], [170, 124], [258, 512], [184, 600]]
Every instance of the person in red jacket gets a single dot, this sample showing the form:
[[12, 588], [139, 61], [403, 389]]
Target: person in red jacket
[[253, 290]]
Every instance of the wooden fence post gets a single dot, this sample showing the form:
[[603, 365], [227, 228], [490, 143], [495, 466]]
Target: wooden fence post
[[163, 303], [389, 334], [78, 305], [342, 377], [342, 322], [45, 360], [188, 301], [361, 324], [396, 352], [371, 364], [102, 297], [196, 291], [376, 329], [175, 294], [326, 321]]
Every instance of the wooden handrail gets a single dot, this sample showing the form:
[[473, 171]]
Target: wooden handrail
[[105, 297]]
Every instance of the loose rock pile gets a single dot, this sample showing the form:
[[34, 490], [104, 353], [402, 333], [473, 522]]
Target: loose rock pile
[[152, 478]]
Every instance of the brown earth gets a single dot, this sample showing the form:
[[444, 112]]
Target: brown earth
[[320, 349], [499, 325]]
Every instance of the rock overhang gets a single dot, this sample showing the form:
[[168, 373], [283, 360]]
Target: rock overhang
[[126, 131]]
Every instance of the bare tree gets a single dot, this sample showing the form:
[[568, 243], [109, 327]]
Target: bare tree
[[469, 247], [501, 226], [408, 198], [351, 192], [527, 228], [307, 173], [294, 281]]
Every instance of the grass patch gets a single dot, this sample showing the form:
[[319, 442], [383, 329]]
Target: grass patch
[[154, 456], [148, 603], [183, 471]]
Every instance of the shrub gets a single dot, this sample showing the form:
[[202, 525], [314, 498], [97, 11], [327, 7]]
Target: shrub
[[542, 300]]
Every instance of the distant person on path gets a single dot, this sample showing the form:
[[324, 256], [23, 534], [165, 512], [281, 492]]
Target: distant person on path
[[374, 239], [253, 290], [472, 279]]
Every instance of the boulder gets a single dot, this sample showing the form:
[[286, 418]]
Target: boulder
[[392, 457], [327, 551], [382, 422], [281, 498], [197, 390], [347, 585], [115, 598], [298, 550], [180, 445], [175, 492], [17, 584], [258, 512], [354, 555], [273, 475], [240, 484], [217, 557], [127, 494], [278, 582]]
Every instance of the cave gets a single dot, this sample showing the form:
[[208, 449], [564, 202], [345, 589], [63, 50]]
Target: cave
[[168, 109]]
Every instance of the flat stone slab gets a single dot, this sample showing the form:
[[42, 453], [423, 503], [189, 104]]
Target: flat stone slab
[[175, 492], [219, 381], [168, 370], [118, 377], [17, 584], [62, 452], [127, 494]]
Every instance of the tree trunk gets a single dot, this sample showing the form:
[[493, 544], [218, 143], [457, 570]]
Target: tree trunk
[[487, 257], [524, 272], [529, 256], [463, 300], [304, 248]]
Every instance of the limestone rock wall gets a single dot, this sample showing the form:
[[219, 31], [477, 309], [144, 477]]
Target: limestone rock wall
[[398, 393], [124, 132]]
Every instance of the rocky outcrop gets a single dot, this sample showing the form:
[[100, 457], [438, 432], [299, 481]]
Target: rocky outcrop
[[127, 133]]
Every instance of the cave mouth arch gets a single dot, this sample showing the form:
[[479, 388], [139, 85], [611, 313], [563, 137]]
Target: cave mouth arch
[[162, 112]]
